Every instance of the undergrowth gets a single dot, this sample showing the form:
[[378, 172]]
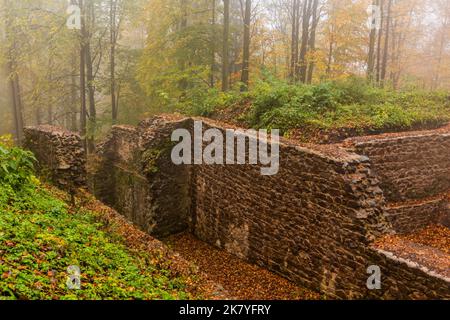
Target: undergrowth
[[41, 237], [350, 103]]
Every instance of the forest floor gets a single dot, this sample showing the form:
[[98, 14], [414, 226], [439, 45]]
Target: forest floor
[[429, 247], [42, 234], [206, 272], [243, 281]]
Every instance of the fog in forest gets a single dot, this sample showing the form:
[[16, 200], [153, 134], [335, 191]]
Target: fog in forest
[[85, 65]]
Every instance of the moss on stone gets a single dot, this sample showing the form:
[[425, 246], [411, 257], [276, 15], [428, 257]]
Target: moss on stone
[[150, 157]]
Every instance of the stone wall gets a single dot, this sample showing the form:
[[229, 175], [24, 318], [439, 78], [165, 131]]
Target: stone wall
[[409, 217], [313, 223], [409, 167], [132, 172], [59, 153], [414, 173]]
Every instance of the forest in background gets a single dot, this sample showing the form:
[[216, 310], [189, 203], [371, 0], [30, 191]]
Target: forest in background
[[297, 62]]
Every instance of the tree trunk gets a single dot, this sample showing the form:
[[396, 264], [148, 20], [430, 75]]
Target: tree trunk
[[83, 109], [73, 96], [90, 83], [225, 53], [16, 100], [213, 45], [246, 56], [386, 44], [113, 41], [312, 40], [295, 38], [330, 54], [305, 39], [371, 57], [380, 36]]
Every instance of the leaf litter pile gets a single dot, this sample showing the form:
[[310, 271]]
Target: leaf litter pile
[[243, 281], [210, 273], [430, 247]]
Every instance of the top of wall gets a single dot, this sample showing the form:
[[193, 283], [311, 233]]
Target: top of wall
[[334, 152], [410, 165], [396, 136], [50, 130]]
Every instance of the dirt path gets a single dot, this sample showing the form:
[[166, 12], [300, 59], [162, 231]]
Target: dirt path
[[241, 280]]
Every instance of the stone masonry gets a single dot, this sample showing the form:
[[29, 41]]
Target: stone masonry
[[133, 173], [414, 173], [59, 153], [313, 223]]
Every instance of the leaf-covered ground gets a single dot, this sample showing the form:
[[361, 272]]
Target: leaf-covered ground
[[243, 281], [44, 232], [430, 247], [40, 238]]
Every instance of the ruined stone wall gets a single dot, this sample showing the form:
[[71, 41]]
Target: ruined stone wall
[[133, 173], [414, 173], [403, 279], [412, 216], [409, 167], [313, 222], [59, 153]]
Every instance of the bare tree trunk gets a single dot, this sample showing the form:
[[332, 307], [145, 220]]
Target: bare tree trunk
[[305, 39], [246, 56], [11, 64], [113, 28], [73, 96], [380, 36], [213, 45], [16, 101], [295, 39], [90, 83], [83, 110], [226, 48], [330, 55], [91, 97], [312, 40], [371, 57], [386, 44]]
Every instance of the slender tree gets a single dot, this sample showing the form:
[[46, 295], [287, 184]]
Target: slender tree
[[113, 34], [372, 40], [295, 15], [13, 75], [312, 40], [306, 17], [92, 117], [83, 111], [246, 55], [380, 36], [386, 43], [226, 46], [213, 45]]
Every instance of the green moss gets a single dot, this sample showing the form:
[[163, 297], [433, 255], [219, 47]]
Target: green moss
[[152, 156]]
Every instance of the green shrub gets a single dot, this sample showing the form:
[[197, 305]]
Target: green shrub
[[40, 238], [350, 103], [16, 167]]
